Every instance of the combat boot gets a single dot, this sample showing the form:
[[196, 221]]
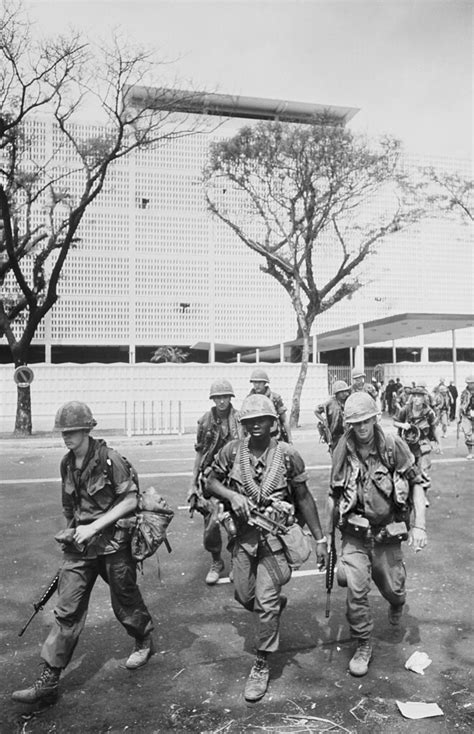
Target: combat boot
[[44, 689], [141, 654], [359, 663], [257, 681]]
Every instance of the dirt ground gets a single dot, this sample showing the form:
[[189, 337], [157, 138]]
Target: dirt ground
[[204, 639]]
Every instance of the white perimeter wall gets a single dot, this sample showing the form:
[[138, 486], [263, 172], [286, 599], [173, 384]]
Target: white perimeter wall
[[107, 388]]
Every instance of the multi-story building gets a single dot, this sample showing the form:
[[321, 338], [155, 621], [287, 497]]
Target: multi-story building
[[154, 268]]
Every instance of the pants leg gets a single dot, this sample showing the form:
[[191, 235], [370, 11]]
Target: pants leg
[[356, 562], [212, 538], [267, 599], [245, 574], [120, 571], [76, 580], [389, 573]]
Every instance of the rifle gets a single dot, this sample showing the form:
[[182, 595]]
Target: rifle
[[324, 432], [260, 520], [331, 565], [45, 597]]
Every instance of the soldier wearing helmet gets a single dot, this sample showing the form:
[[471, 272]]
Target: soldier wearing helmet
[[97, 491], [417, 425], [466, 414], [215, 428], [374, 487], [259, 474], [261, 386], [360, 385], [442, 405], [330, 414]]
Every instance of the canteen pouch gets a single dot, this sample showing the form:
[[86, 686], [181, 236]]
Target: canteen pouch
[[296, 545], [357, 526]]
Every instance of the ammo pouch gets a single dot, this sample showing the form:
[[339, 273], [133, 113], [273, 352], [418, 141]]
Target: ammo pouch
[[394, 532], [357, 526]]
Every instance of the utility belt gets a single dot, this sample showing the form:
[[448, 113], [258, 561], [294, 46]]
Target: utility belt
[[357, 526]]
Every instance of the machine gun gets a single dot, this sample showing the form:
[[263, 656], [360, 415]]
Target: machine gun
[[45, 597], [257, 518], [331, 565]]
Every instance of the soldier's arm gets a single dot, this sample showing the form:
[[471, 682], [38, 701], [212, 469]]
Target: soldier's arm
[[307, 509]]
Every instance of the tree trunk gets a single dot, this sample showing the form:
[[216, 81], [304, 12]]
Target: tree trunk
[[296, 400], [23, 424]]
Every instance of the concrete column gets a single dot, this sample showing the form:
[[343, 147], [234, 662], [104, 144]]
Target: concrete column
[[257, 355], [212, 353], [315, 350], [455, 365], [394, 352], [238, 357], [424, 354], [282, 352], [131, 354], [359, 350]]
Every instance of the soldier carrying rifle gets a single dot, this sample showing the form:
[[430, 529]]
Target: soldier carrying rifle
[[330, 415], [259, 472], [466, 414]]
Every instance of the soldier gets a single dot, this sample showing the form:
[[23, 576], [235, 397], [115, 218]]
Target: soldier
[[331, 414], [360, 385], [442, 406], [466, 413], [261, 386], [374, 485], [417, 424], [263, 474], [454, 397], [215, 428], [93, 499]]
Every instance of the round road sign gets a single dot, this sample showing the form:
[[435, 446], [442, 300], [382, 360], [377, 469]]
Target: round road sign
[[23, 376]]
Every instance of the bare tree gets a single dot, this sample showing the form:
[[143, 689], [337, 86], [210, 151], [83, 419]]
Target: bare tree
[[448, 192], [43, 196], [313, 201]]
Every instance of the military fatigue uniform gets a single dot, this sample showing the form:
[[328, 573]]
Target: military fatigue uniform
[[466, 415], [333, 412], [213, 433], [378, 490], [87, 494], [259, 563], [425, 421], [366, 387]]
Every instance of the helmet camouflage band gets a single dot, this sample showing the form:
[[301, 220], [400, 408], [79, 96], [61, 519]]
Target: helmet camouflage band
[[259, 375], [221, 387], [256, 406], [74, 416], [359, 407]]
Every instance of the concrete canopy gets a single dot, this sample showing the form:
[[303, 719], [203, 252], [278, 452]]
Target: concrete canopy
[[390, 328]]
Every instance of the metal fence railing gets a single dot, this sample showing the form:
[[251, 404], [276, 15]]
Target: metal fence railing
[[153, 417]]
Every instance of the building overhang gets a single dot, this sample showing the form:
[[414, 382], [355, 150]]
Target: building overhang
[[229, 105], [391, 328]]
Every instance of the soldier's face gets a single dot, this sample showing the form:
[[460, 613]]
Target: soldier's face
[[222, 403], [259, 386], [342, 396], [418, 400], [364, 431], [259, 427], [74, 440], [359, 381]]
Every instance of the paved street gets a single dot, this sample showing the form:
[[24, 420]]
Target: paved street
[[204, 639]]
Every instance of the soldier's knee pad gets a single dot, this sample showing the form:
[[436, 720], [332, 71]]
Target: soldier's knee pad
[[341, 575]]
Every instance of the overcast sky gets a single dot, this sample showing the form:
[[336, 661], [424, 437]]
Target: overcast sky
[[406, 64]]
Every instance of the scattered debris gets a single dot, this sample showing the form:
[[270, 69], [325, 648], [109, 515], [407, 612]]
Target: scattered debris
[[418, 662], [419, 709]]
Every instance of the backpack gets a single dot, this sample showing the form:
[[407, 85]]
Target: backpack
[[148, 526]]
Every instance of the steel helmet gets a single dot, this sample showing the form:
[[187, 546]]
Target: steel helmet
[[259, 375], [419, 389], [340, 386], [256, 406], [221, 387], [357, 372], [470, 379], [359, 407], [74, 416]]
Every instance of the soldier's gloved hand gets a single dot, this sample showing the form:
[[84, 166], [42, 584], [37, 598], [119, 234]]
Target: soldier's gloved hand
[[192, 499]]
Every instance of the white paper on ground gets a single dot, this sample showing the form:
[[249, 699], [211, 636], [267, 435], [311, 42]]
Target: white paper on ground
[[418, 709], [418, 662]]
